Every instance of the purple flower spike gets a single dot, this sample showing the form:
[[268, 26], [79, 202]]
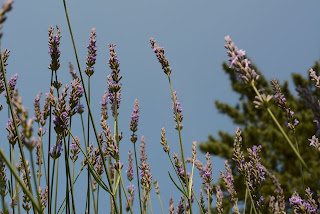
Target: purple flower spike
[[3, 180], [291, 122], [92, 49], [314, 142], [72, 71], [164, 141], [75, 94], [240, 63], [130, 167], [130, 197], [219, 199], [37, 110], [177, 110], [54, 51], [238, 156], [135, 117], [206, 175], [75, 150], [161, 57], [228, 180]]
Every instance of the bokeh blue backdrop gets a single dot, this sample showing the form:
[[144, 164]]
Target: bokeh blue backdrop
[[280, 37]]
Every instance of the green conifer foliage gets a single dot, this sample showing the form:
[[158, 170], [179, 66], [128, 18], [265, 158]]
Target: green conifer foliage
[[259, 129]]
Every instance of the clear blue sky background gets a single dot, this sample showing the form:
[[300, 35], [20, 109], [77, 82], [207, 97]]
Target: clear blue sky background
[[280, 37]]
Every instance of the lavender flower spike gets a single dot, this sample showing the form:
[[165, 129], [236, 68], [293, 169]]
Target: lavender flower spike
[[177, 110], [240, 63], [164, 141], [228, 180], [134, 121], [3, 180], [72, 71], [314, 142], [161, 57], [219, 199], [291, 123], [314, 77], [6, 7], [54, 51], [130, 166], [92, 49]]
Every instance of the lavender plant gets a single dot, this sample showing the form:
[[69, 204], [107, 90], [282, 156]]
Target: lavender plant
[[102, 160]]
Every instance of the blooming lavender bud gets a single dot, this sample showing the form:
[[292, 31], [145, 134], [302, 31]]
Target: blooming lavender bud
[[194, 150], [130, 166], [311, 201], [135, 117], [37, 110], [255, 169], [206, 175], [3, 178], [146, 176], [171, 206], [228, 180], [61, 113], [177, 110], [75, 95], [50, 100], [6, 7], [262, 101], [237, 153], [54, 51], [74, 149], [156, 186], [180, 207], [130, 197], [79, 108], [164, 141], [12, 136], [92, 49], [111, 147], [114, 64], [161, 57], [55, 151], [314, 142], [311, 102], [291, 123], [72, 71], [143, 154], [43, 197], [104, 107], [219, 199], [314, 77], [241, 65], [114, 95], [302, 206]]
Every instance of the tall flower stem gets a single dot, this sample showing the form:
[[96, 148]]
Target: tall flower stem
[[23, 186], [181, 146], [86, 96], [124, 189], [281, 129], [138, 179], [56, 193], [42, 158], [16, 182], [88, 140], [14, 119]]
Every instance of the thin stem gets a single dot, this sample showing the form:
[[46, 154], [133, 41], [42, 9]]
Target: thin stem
[[23, 186], [161, 204], [14, 121], [150, 203], [86, 96], [16, 182], [34, 176], [197, 201], [209, 202], [125, 193], [245, 201], [56, 193], [138, 179], [88, 140], [252, 202]]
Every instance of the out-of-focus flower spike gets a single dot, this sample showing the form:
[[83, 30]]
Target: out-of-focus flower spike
[[54, 51], [72, 71], [219, 199], [314, 77]]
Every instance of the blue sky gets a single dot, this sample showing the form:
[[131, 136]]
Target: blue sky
[[280, 37]]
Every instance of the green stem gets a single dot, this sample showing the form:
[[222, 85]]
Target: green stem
[[14, 121], [197, 201], [252, 202], [300, 165], [56, 193], [34, 176], [138, 179], [161, 204], [23, 186], [150, 203], [86, 96], [209, 202], [88, 140], [16, 182], [245, 201], [281, 129], [125, 192]]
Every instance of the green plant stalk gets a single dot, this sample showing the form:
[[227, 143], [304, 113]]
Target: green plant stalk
[[23, 186], [125, 193], [184, 191], [14, 120], [98, 198], [88, 140], [197, 201], [93, 203], [94, 173], [118, 142], [181, 146], [73, 183], [160, 204], [150, 203], [68, 175], [281, 129], [86, 96], [34, 176], [245, 201], [44, 163], [138, 179], [16, 182], [252, 202], [56, 193], [209, 202], [300, 165], [49, 146]]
